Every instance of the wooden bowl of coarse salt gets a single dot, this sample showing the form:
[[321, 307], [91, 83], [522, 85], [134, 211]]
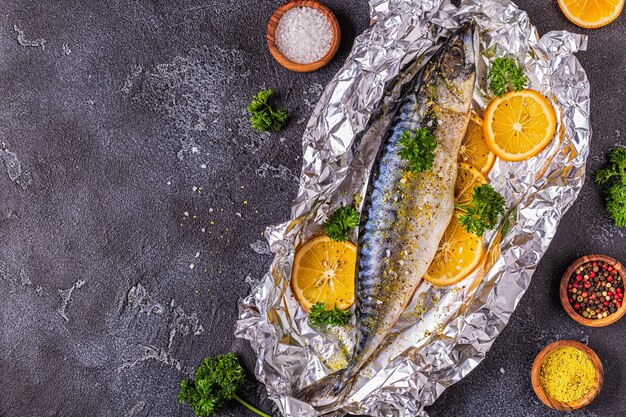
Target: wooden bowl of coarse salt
[[303, 35]]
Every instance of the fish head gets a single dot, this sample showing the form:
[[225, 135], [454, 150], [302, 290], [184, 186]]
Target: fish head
[[458, 60], [457, 66]]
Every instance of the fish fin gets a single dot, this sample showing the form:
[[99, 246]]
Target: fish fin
[[327, 393]]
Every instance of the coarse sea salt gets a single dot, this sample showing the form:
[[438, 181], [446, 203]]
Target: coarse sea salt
[[303, 35]]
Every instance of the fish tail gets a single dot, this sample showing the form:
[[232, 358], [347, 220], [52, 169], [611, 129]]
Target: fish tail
[[327, 393]]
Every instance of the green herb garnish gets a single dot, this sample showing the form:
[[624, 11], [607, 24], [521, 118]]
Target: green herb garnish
[[504, 75], [215, 383], [335, 317], [614, 177], [481, 213], [341, 222], [417, 147], [264, 117]]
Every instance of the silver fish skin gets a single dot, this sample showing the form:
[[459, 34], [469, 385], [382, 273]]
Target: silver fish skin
[[405, 214]]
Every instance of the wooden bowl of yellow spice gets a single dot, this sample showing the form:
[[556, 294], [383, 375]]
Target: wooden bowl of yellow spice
[[567, 375]]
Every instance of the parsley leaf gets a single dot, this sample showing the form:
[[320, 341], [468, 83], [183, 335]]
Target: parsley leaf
[[215, 383], [318, 316], [481, 213], [417, 147], [614, 176], [340, 222], [504, 75], [264, 117]]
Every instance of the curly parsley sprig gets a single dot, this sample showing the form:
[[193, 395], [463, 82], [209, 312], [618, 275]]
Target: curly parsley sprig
[[215, 383], [341, 222], [264, 117], [481, 213], [614, 177], [318, 316], [418, 148], [505, 75]]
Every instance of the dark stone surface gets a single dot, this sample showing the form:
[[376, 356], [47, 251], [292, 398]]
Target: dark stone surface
[[115, 131]]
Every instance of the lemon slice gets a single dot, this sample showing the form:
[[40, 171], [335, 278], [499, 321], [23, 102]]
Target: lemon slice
[[458, 254], [474, 149], [467, 179], [591, 13], [323, 271], [519, 125]]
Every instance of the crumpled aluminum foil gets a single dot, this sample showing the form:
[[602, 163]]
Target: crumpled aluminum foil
[[445, 332]]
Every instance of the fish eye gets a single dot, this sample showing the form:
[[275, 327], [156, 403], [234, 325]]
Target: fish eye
[[453, 60], [456, 52]]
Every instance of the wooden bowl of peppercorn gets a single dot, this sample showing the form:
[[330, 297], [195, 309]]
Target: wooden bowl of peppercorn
[[592, 290]]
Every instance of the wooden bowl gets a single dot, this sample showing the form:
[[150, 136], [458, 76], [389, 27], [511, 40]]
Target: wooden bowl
[[294, 66], [610, 319], [558, 405]]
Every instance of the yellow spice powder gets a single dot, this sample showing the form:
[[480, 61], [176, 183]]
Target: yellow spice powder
[[567, 374]]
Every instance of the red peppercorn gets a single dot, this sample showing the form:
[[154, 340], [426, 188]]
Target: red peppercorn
[[609, 279], [579, 278], [606, 303], [595, 264], [587, 284], [575, 285], [592, 274], [577, 306], [610, 293]]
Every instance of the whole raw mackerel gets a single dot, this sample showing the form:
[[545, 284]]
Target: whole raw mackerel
[[405, 214]]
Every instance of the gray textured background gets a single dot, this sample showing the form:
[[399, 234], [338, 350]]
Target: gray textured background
[[126, 233]]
